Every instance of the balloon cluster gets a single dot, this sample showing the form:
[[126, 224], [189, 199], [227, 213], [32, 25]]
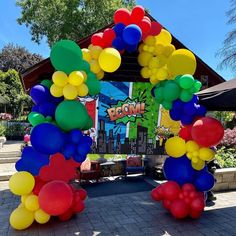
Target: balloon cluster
[[168, 93], [58, 144], [180, 201]]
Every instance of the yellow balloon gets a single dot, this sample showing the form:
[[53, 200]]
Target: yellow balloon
[[162, 74], [168, 50], [82, 90], [95, 52], [90, 46], [191, 146], [100, 74], [56, 91], [140, 47], [154, 80], [199, 165], [195, 154], [162, 60], [145, 72], [182, 62], [21, 218], [41, 217], [175, 147], [86, 54], [109, 60], [60, 78], [153, 63], [159, 49], [164, 37], [85, 75], [21, 205], [70, 92], [32, 203], [21, 183], [144, 58], [150, 40], [189, 155], [206, 154], [76, 78], [23, 198], [94, 66]]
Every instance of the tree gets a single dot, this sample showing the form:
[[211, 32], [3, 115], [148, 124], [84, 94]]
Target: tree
[[70, 19], [18, 58], [225, 117], [11, 89], [228, 52]]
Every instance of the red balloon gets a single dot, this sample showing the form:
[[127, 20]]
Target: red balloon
[[188, 188], [137, 14], [185, 132], [192, 194], [179, 209], [82, 193], [155, 28], [145, 26], [157, 193], [122, 15], [207, 131], [108, 36], [77, 205], [66, 216], [55, 197], [38, 185], [166, 204], [97, 40], [195, 214], [197, 204], [171, 190]]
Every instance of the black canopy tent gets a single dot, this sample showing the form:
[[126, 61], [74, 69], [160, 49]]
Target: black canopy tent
[[221, 97]]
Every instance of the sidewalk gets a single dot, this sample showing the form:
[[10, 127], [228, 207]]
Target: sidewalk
[[132, 214]]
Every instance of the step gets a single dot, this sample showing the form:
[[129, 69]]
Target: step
[[9, 154], [6, 171], [9, 160]]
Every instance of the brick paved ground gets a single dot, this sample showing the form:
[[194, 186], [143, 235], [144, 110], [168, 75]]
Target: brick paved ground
[[127, 214]]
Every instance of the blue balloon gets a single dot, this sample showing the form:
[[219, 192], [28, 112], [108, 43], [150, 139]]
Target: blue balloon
[[118, 44], [69, 150], [178, 105], [55, 100], [204, 181], [88, 140], [79, 158], [75, 136], [132, 34], [195, 99], [83, 149], [47, 138], [118, 28], [179, 170], [47, 109], [131, 48], [201, 110], [35, 108], [175, 114], [39, 94], [190, 108], [186, 119], [31, 161]]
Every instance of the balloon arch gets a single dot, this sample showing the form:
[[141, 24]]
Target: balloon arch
[[58, 118]]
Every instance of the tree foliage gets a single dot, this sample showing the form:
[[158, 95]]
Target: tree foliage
[[228, 52], [224, 116], [17, 57], [11, 89], [70, 19]]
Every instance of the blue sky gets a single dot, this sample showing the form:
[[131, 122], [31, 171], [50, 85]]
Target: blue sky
[[200, 25]]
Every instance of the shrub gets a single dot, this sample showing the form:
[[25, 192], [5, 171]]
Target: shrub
[[226, 157], [2, 130], [229, 139]]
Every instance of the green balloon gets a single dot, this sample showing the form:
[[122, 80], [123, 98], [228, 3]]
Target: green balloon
[[93, 84], [71, 115], [159, 94], [171, 91], [186, 81], [167, 104], [197, 85], [177, 79], [47, 83], [35, 118], [66, 56], [185, 96], [84, 66], [89, 124]]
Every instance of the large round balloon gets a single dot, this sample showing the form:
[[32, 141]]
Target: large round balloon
[[175, 147], [46, 138], [21, 183], [132, 34], [179, 170], [39, 94], [71, 115], [182, 62], [204, 181], [207, 131], [66, 56], [109, 60], [55, 197]]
